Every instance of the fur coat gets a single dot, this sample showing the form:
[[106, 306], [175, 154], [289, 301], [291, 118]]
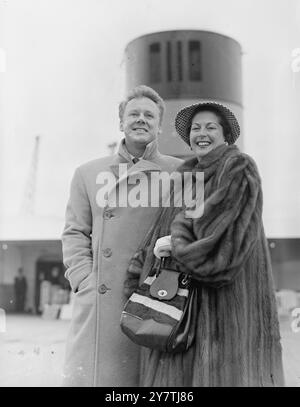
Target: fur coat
[[225, 250]]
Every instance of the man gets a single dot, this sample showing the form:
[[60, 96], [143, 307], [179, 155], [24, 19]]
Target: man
[[99, 239], [20, 290]]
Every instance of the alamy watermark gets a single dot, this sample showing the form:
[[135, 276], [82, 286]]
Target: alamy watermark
[[152, 189], [295, 325], [2, 60], [295, 64]]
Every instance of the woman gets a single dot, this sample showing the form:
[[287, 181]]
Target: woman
[[237, 341]]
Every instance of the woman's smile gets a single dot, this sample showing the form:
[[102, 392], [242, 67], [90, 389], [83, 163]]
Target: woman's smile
[[203, 143]]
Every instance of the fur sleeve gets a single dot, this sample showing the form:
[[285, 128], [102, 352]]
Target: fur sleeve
[[134, 272], [214, 247], [143, 260]]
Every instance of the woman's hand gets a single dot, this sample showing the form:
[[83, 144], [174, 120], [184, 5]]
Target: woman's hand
[[162, 247]]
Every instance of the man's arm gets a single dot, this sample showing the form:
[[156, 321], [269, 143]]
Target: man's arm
[[76, 238]]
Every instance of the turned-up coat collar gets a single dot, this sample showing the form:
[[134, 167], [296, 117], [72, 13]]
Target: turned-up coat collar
[[150, 152], [146, 162]]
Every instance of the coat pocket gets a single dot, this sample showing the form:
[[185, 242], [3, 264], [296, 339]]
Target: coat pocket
[[84, 283]]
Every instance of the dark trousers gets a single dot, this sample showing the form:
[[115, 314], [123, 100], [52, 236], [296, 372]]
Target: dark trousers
[[20, 302]]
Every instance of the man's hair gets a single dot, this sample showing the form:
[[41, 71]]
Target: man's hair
[[140, 92]]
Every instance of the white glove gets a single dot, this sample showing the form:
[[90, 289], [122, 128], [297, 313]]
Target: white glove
[[162, 247]]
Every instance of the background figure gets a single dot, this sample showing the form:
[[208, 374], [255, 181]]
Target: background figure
[[20, 290], [45, 293], [56, 286], [55, 276]]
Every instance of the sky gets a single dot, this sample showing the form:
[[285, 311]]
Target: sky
[[64, 77]]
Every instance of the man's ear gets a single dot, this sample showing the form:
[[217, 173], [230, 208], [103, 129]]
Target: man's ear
[[160, 130], [121, 126]]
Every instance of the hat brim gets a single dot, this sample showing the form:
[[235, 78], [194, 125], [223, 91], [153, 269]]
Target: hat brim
[[185, 115]]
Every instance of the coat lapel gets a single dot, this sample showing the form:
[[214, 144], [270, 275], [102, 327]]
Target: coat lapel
[[123, 167]]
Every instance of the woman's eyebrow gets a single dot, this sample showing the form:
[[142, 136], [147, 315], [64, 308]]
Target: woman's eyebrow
[[198, 124]]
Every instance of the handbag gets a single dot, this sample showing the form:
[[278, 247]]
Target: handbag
[[161, 313]]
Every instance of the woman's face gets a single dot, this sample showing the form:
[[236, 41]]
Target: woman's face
[[206, 133]]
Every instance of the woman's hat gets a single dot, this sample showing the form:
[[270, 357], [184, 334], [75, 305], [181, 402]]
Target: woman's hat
[[185, 115]]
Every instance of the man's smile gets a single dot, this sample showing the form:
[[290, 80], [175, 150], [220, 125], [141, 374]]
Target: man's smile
[[142, 129]]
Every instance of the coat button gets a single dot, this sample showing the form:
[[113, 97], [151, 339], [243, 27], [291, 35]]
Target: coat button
[[107, 252], [102, 289], [108, 214]]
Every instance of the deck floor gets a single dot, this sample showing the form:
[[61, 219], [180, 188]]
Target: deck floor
[[32, 352]]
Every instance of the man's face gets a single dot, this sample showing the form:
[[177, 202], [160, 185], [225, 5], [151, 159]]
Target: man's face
[[140, 122]]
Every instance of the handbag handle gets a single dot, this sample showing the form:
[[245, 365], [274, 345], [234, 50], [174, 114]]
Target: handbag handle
[[161, 265], [185, 277]]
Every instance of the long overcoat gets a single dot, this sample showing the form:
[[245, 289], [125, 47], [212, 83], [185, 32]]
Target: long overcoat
[[99, 239]]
